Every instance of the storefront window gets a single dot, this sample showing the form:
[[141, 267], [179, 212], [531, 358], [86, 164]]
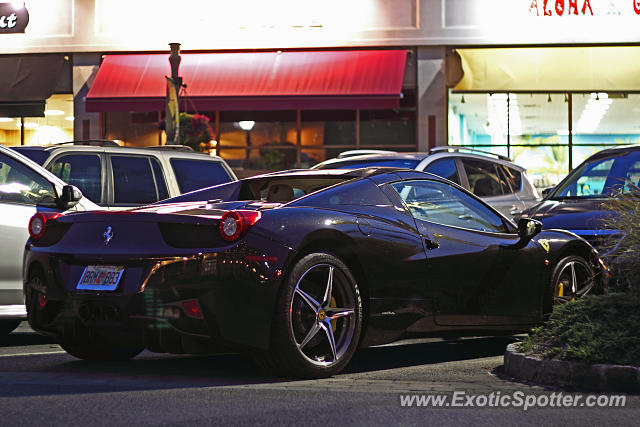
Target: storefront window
[[479, 121], [331, 132], [258, 140], [133, 129], [388, 129], [270, 142], [602, 120], [254, 142], [56, 126], [533, 128]]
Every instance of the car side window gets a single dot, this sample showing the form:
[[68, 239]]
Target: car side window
[[133, 180], [195, 174], [484, 180], [512, 177], [445, 168], [82, 170], [20, 184], [444, 204]]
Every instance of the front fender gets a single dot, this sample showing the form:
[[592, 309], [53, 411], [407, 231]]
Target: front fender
[[562, 243]]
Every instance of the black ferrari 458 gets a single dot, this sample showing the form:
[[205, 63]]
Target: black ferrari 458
[[298, 268]]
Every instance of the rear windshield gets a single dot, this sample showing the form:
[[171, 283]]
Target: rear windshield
[[354, 164], [196, 174], [38, 156]]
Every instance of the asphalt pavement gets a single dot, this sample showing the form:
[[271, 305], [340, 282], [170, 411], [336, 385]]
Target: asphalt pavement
[[42, 385]]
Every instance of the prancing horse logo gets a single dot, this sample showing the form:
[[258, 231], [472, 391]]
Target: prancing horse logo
[[108, 235]]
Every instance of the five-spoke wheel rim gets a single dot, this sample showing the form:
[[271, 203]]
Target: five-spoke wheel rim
[[574, 280], [322, 316]]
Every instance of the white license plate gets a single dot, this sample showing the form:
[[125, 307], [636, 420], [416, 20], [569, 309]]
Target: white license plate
[[100, 277]]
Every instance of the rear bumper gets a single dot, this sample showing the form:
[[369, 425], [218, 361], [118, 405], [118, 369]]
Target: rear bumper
[[234, 289]]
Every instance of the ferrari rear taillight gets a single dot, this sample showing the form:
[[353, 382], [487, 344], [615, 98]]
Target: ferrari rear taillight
[[235, 224], [38, 223]]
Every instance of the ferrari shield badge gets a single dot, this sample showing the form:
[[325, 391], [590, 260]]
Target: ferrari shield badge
[[108, 235], [545, 244]]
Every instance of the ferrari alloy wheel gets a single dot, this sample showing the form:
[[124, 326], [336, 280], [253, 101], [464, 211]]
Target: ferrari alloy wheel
[[572, 279], [318, 320]]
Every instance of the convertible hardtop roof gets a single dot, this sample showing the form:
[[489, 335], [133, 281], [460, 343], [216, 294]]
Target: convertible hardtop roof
[[349, 173]]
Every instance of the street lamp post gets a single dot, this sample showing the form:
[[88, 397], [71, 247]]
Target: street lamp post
[[246, 126], [174, 83]]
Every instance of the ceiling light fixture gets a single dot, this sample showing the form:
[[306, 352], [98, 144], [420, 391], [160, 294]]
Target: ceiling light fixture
[[593, 112], [28, 125], [246, 125]]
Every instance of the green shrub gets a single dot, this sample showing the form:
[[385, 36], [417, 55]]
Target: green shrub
[[625, 208], [594, 329], [606, 328]]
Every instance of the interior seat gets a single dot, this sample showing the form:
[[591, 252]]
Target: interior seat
[[280, 193]]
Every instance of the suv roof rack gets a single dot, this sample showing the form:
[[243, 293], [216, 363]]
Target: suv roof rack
[[91, 142], [171, 147], [471, 150], [350, 153]]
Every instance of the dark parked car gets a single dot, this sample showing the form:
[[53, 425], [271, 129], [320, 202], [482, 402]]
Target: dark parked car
[[300, 268], [575, 204]]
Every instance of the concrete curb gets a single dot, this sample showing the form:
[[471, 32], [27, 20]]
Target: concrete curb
[[580, 375]]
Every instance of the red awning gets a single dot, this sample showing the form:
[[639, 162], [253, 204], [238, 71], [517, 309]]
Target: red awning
[[307, 80]]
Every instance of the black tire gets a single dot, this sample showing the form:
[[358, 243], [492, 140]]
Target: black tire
[[7, 326], [562, 289], [301, 343], [98, 353], [36, 278]]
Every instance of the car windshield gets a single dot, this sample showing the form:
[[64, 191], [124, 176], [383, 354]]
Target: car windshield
[[601, 177], [364, 163]]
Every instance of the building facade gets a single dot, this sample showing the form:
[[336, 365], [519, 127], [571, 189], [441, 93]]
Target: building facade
[[546, 82]]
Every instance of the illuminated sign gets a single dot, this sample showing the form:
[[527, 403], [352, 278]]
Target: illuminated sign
[[583, 7], [14, 17]]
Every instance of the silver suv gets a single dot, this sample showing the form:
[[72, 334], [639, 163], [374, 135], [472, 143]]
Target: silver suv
[[492, 177], [118, 177]]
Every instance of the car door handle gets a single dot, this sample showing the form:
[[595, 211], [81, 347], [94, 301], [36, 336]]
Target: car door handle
[[431, 244]]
